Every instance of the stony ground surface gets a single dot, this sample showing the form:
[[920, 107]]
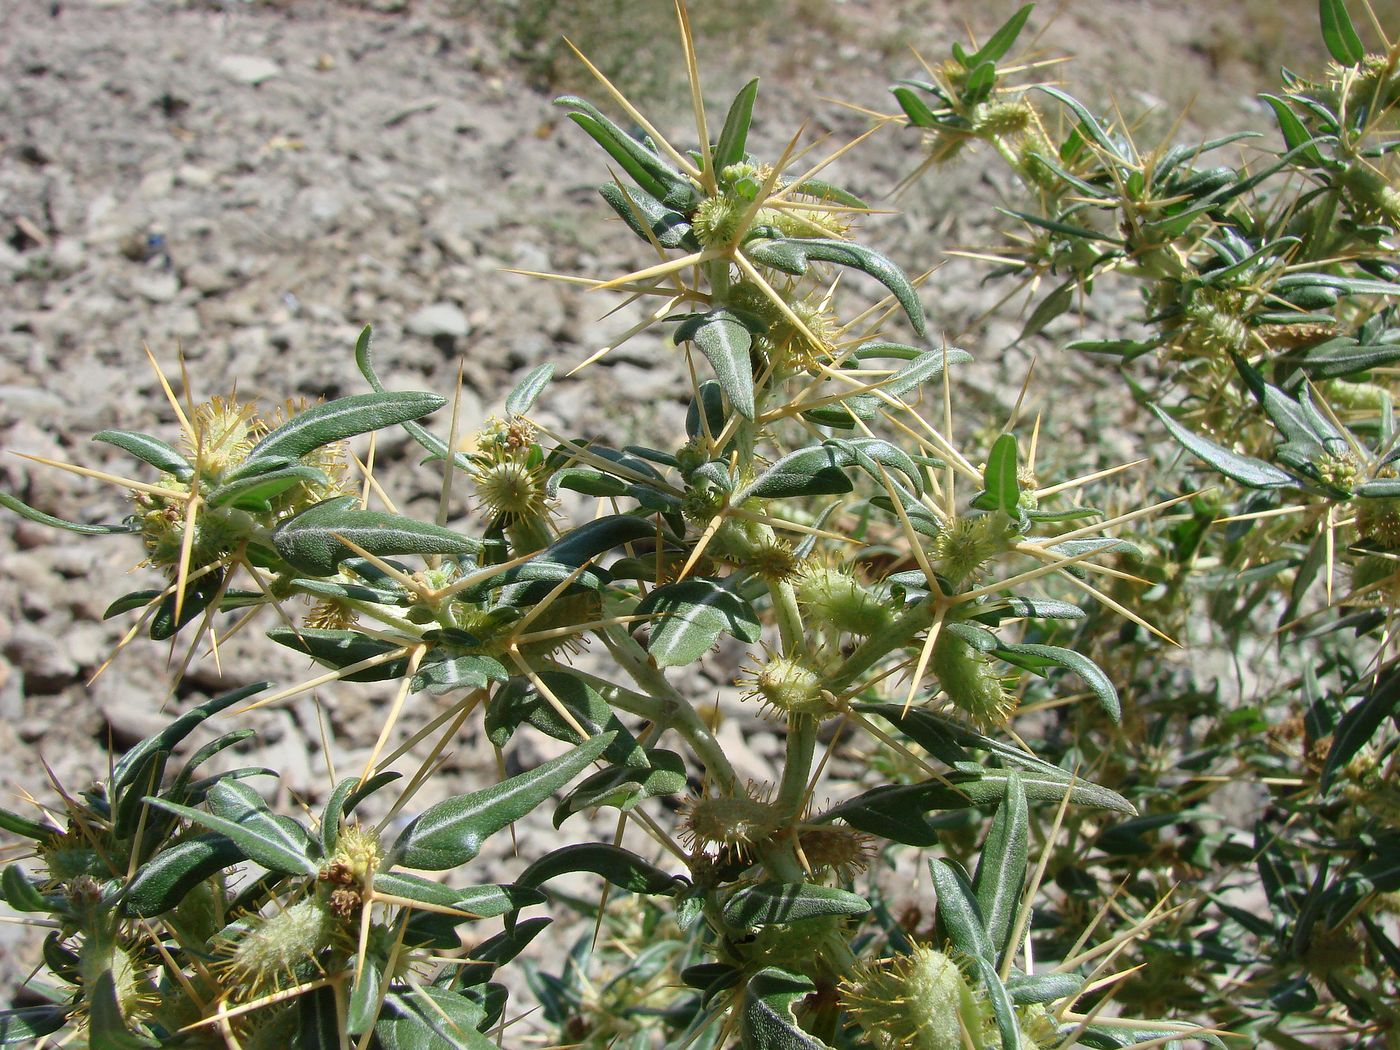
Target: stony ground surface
[[249, 184]]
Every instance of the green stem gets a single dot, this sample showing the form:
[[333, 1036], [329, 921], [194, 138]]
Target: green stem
[[797, 769], [672, 710]]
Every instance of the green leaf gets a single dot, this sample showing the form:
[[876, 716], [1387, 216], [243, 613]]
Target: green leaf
[[123, 774], [915, 108], [430, 1018], [623, 787], [1002, 489], [1088, 125], [343, 799], [341, 648], [766, 1021], [732, 140], [24, 510], [452, 832], [364, 361], [648, 218], [264, 837], [868, 261], [107, 1028], [618, 866], [767, 903], [318, 1020], [1338, 33], [481, 902], [1000, 42], [199, 595], [440, 674], [1294, 134], [818, 469], [149, 450], [645, 167], [958, 911], [979, 83], [343, 418], [1049, 308], [725, 342], [30, 1023], [527, 391], [308, 541], [689, 618], [253, 493], [1361, 722], [1001, 869], [21, 894], [164, 881], [364, 998], [1037, 657], [30, 829], [1248, 471], [1028, 989], [521, 701]]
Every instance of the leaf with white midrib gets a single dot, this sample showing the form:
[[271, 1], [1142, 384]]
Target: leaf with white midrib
[[259, 833]]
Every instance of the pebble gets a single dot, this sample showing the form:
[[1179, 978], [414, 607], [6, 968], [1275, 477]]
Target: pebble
[[248, 69], [440, 320], [42, 657], [159, 286]]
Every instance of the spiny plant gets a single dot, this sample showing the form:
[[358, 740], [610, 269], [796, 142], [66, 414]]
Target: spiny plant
[[1265, 349], [917, 605]]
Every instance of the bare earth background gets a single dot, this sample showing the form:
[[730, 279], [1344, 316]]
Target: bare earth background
[[250, 183]]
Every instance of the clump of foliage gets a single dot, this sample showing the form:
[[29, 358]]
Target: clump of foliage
[[932, 606]]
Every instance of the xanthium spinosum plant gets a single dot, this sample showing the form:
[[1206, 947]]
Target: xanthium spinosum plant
[[929, 604]]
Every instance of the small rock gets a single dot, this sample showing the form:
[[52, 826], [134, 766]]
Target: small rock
[[159, 286], [248, 69], [194, 176], [42, 658], [440, 320], [209, 279]]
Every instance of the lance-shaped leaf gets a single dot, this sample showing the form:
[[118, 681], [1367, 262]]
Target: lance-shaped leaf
[[482, 902], [344, 799], [29, 1024], [430, 1018], [452, 832], [199, 595], [365, 998], [107, 1028], [618, 866], [725, 341], [163, 882], [766, 903], [689, 618], [277, 843], [443, 673], [24, 510], [253, 493], [521, 701], [1001, 487], [961, 916], [647, 169], [1039, 657], [526, 392], [1043, 987], [766, 1021], [1248, 471], [1000, 42], [343, 418], [817, 469], [341, 648], [21, 894], [123, 774], [1001, 869], [23, 826], [922, 367], [648, 218], [150, 450], [732, 140], [1339, 34], [1361, 722], [309, 541], [623, 787], [806, 250]]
